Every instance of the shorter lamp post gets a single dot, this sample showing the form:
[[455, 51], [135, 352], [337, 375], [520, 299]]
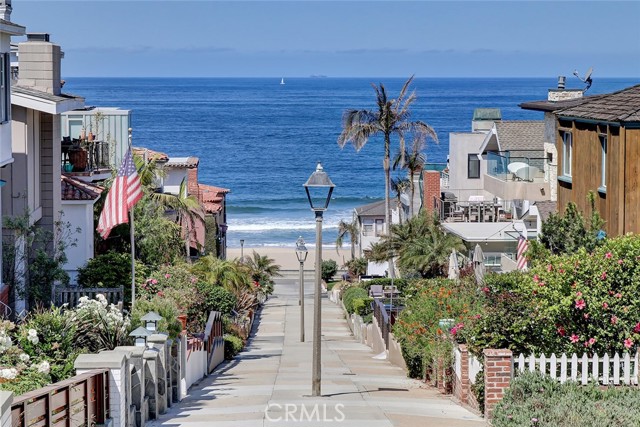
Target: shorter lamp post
[[242, 250], [301, 253], [140, 334], [319, 188], [151, 320]]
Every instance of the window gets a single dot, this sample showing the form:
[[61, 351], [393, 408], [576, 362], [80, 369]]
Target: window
[[379, 227], [473, 166], [603, 143], [367, 227], [567, 149], [5, 85]]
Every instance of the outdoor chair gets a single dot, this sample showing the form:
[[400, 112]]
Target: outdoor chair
[[376, 291]]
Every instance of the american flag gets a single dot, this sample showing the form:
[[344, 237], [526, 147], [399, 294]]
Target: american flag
[[523, 245], [123, 195]]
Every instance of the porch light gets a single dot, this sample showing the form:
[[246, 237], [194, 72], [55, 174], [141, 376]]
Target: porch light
[[151, 320], [140, 334]]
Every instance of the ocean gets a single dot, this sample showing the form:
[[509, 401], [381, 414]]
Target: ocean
[[261, 139]]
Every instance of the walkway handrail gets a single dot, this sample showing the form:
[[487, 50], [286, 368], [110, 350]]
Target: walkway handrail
[[80, 400], [384, 322]]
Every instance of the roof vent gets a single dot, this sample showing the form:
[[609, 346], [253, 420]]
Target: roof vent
[[38, 37], [561, 82]]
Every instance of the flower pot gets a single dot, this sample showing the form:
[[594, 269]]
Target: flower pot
[[78, 158], [68, 167]]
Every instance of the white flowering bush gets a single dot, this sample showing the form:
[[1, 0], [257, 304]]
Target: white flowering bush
[[100, 325]]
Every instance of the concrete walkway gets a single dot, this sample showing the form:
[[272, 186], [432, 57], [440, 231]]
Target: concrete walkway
[[269, 383]]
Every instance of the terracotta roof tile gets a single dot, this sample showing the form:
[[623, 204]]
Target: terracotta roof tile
[[75, 189], [212, 198], [151, 155]]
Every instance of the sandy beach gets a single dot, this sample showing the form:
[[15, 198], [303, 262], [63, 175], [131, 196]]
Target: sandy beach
[[286, 256]]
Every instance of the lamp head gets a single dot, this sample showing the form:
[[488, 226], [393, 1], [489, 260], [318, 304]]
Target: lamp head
[[319, 188], [301, 250]]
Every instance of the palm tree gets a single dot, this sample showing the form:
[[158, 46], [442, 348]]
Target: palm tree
[[262, 267], [420, 245], [399, 186], [350, 228], [391, 118], [229, 274], [413, 160], [188, 209]]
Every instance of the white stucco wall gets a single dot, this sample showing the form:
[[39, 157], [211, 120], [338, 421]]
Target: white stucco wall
[[173, 179], [461, 144], [80, 215]]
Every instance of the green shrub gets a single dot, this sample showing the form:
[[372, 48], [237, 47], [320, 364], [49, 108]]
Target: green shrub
[[232, 346], [357, 267], [575, 303], [362, 306], [534, 400], [209, 298], [165, 307], [101, 326], [55, 342], [352, 294], [329, 269], [111, 270], [418, 329]]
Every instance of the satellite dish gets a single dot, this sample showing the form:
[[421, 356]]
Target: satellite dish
[[587, 78]]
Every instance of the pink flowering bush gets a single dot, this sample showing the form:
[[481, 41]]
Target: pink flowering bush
[[171, 281], [583, 302]]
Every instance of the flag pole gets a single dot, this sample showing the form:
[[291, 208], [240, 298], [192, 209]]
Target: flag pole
[[133, 247]]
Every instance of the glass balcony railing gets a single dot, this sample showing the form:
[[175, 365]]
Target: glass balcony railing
[[522, 166]]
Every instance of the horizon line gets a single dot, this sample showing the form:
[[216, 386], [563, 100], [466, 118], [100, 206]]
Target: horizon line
[[322, 76]]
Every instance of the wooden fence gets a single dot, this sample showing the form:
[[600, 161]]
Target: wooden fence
[[79, 401], [71, 296]]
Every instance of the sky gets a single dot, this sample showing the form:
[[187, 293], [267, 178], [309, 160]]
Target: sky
[[338, 38]]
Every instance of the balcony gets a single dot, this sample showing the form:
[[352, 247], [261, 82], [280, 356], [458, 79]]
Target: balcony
[[517, 175], [86, 160]]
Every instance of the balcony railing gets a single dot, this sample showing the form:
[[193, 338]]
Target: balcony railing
[[521, 166], [85, 156]]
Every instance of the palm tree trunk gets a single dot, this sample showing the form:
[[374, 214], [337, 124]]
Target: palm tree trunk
[[353, 247], [412, 194], [387, 196]]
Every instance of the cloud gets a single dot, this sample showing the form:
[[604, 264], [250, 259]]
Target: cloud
[[364, 51]]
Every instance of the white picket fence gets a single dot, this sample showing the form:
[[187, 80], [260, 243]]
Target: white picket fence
[[474, 365], [605, 370]]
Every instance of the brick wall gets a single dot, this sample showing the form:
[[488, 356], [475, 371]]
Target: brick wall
[[431, 189], [192, 182], [497, 376]]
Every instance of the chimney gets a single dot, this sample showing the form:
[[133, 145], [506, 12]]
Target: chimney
[[193, 188], [39, 63], [5, 10], [562, 94], [431, 190]]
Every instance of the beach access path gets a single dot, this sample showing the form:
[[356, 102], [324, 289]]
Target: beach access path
[[269, 383]]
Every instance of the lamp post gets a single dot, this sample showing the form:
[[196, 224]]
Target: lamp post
[[301, 253], [151, 320], [242, 250], [319, 188]]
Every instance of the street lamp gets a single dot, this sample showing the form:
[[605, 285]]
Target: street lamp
[[301, 253], [242, 250], [319, 188]]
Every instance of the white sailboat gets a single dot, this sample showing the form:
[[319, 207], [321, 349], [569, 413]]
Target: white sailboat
[[282, 81]]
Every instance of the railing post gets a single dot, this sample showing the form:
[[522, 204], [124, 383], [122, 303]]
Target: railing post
[[6, 399], [159, 342], [150, 357], [137, 400], [115, 362]]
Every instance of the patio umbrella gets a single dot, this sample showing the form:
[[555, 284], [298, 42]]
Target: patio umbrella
[[454, 269], [478, 264]]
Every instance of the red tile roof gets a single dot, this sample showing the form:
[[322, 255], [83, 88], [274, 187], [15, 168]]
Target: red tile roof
[[75, 189], [151, 155], [212, 198]]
